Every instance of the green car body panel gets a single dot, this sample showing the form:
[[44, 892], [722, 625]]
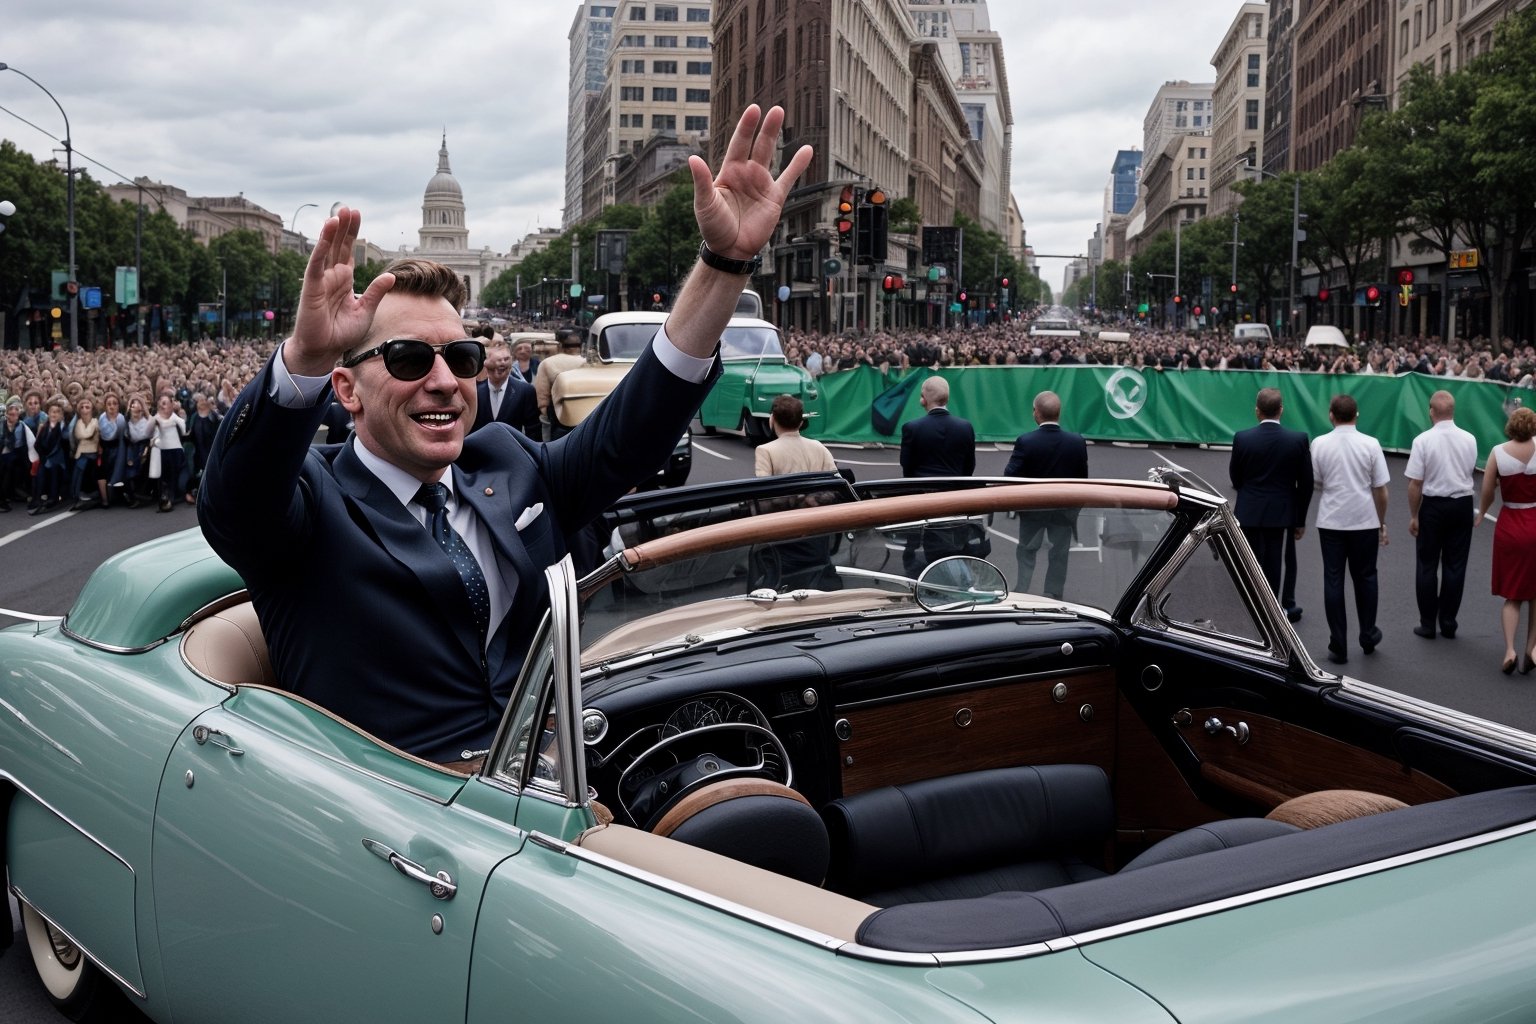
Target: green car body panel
[[754, 372]]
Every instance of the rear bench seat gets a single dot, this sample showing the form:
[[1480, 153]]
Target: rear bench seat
[[1007, 919], [970, 835]]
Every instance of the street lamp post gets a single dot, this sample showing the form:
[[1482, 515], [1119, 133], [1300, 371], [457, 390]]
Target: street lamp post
[[69, 171], [1248, 162]]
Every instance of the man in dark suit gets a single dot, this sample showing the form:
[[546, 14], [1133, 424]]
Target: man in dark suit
[[1047, 452], [937, 444], [1271, 470], [940, 443], [501, 398], [398, 578]]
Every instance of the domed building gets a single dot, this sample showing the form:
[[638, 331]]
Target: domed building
[[444, 233]]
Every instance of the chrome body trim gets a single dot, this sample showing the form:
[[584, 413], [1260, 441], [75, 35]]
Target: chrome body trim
[[28, 616], [688, 892], [214, 607], [108, 648], [37, 731], [1434, 714], [103, 968], [66, 819], [979, 684]]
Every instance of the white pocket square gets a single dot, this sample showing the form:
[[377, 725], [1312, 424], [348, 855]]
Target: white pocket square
[[529, 515]]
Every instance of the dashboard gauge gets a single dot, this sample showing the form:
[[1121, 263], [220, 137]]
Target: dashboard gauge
[[716, 709]]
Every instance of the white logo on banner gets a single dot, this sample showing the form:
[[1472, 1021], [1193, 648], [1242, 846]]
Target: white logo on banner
[[1125, 393]]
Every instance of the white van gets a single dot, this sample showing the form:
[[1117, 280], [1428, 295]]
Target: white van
[[1244, 333]]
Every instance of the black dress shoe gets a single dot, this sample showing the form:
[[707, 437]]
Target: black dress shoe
[[1449, 632], [1370, 640], [1293, 613], [1337, 655], [1426, 632]]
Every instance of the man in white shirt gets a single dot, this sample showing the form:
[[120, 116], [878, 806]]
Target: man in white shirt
[[1440, 514], [1351, 476]]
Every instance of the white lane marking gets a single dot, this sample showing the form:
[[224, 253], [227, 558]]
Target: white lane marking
[[856, 462], [700, 448], [17, 535], [994, 531]]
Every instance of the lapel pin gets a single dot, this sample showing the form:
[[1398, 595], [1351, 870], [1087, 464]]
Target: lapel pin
[[490, 491]]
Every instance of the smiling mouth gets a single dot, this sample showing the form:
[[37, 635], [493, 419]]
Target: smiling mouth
[[435, 419]]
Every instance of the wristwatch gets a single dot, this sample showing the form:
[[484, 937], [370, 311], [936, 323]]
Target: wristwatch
[[725, 264]]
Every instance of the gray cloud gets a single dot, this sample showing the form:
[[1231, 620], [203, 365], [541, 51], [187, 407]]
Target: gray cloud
[[296, 102]]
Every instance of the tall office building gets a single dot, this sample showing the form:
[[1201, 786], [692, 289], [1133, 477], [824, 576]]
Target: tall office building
[[1238, 125], [1124, 176], [1342, 67], [1278, 74], [591, 32]]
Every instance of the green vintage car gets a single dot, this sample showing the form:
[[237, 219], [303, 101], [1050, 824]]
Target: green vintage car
[[758, 771], [754, 373]]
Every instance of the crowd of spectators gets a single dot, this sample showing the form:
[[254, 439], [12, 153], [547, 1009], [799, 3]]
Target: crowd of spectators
[[1011, 344], [91, 428]]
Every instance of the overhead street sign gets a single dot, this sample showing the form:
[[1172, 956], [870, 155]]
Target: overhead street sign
[[1463, 259]]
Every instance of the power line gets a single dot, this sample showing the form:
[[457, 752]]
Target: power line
[[76, 149]]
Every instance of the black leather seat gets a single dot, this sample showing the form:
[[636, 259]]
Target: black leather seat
[[961, 836], [1216, 835], [757, 821]]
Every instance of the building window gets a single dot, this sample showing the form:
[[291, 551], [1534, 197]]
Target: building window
[[696, 123], [667, 42], [666, 13], [664, 122], [700, 67], [632, 41], [698, 14], [696, 95], [1251, 115], [698, 42], [664, 67], [660, 95], [1253, 71], [632, 67], [637, 13], [976, 117], [1432, 22], [632, 93]]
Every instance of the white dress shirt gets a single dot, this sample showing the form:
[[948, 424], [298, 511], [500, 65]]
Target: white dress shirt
[[1443, 458], [1346, 465]]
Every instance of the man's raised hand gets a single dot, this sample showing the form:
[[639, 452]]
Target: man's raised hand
[[331, 318], [738, 208]]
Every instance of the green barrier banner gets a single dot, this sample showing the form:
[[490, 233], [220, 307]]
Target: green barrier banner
[[1112, 403]]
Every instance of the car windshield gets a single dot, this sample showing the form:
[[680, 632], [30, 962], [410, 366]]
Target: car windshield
[[742, 342], [738, 585], [626, 341]]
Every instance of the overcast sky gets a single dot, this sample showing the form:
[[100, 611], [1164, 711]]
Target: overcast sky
[[304, 102]]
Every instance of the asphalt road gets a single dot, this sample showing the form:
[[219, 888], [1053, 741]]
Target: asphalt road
[[44, 561]]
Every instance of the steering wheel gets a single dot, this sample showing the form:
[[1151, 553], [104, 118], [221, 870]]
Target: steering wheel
[[678, 764]]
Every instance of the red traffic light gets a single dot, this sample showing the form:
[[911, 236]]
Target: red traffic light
[[1234, 287], [1372, 293], [892, 283], [1003, 281], [1178, 300], [1405, 277], [1197, 311], [961, 296], [656, 297], [844, 225], [845, 205], [1322, 295]]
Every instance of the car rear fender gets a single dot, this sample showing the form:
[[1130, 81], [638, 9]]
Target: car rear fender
[[7, 792]]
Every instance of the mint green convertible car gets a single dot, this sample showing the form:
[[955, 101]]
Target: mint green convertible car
[[799, 751]]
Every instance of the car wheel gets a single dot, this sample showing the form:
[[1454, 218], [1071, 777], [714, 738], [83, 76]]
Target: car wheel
[[75, 986], [756, 428]]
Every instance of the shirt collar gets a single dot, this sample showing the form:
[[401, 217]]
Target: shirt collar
[[400, 483]]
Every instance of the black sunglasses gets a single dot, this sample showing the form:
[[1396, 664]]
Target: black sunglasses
[[411, 359]]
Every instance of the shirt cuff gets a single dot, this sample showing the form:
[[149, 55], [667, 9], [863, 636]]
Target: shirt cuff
[[693, 369], [293, 391]]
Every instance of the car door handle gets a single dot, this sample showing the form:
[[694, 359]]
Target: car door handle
[[440, 885]]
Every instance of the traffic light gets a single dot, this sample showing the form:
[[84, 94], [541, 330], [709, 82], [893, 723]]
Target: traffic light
[[1405, 276], [1178, 300], [872, 245], [1322, 295], [1234, 287], [1372, 295], [1197, 311], [845, 222], [892, 283], [961, 297]]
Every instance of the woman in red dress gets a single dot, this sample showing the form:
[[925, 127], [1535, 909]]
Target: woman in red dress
[[1512, 467]]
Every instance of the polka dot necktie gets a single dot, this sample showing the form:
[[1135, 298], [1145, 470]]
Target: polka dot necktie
[[434, 498]]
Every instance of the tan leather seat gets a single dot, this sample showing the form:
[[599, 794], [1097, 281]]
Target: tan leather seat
[[228, 647]]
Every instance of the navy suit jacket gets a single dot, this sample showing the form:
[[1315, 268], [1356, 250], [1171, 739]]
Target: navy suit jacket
[[519, 407], [938, 444], [1048, 451], [1271, 471], [397, 653]]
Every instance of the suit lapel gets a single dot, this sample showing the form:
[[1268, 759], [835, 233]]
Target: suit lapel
[[409, 543]]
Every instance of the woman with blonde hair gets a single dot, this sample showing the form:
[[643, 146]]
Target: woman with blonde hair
[[1511, 468]]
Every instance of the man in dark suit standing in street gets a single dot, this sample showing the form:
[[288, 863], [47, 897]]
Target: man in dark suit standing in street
[[1047, 452], [940, 443], [1271, 470], [937, 444], [502, 398]]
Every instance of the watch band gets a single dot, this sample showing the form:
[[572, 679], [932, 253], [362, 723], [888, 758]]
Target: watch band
[[725, 264]]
